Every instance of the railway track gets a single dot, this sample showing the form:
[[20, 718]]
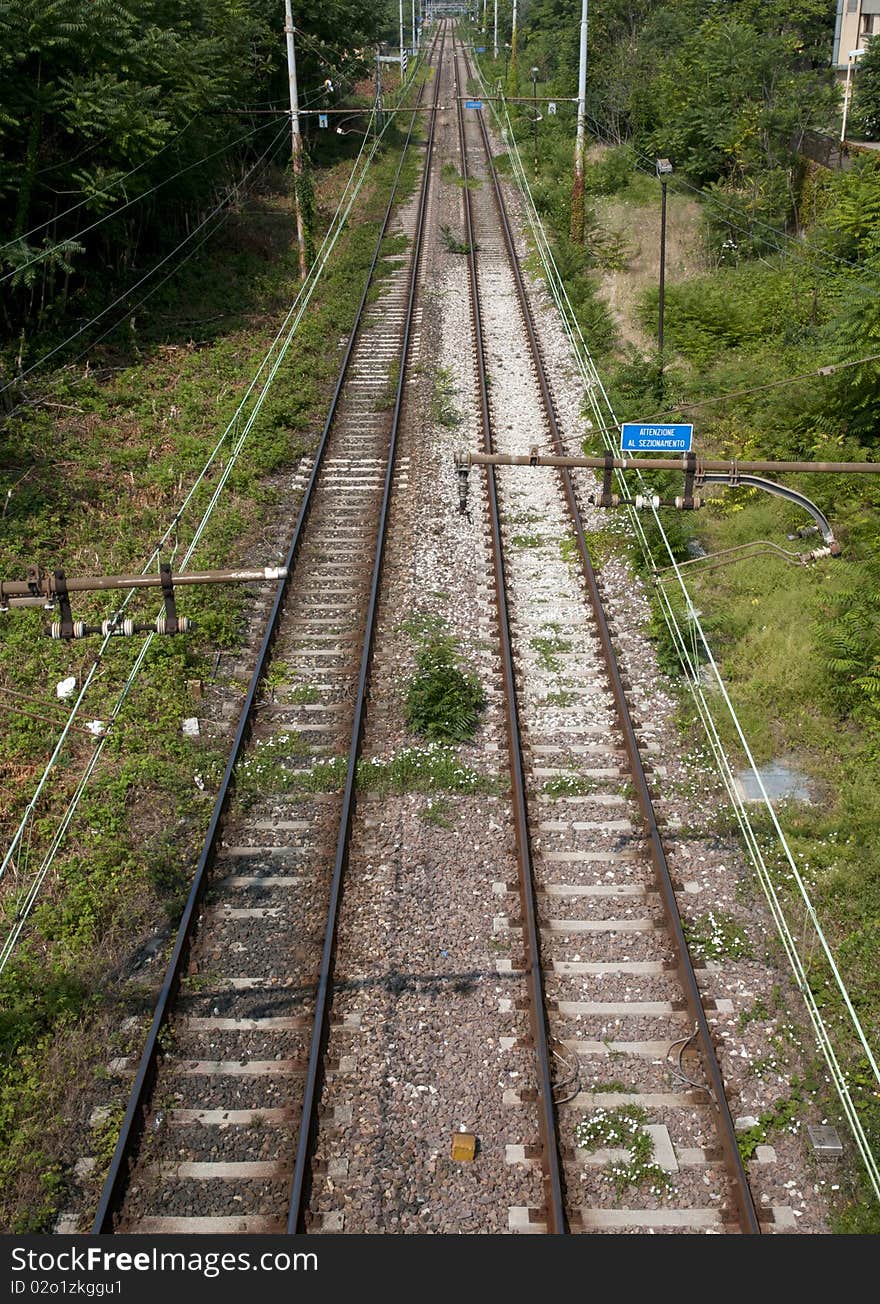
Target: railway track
[[362, 975], [606, 926], [216, 1134]]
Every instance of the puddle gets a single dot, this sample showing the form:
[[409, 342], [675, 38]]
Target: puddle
[[781, 781]]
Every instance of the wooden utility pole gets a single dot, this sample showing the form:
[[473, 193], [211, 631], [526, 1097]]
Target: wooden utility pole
[[577, 197], [296, 139]]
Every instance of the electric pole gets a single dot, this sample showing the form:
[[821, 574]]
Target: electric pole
[[379, 117], [664, 168], [577, 198], [401, 42], [495, 38], [512, 88], [296, 139]]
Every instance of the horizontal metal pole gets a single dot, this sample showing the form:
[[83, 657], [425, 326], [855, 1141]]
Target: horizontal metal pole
[[622, 463], [45, 586], [524, 99], [355, 112]]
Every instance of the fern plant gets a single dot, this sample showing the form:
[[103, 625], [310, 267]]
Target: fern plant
[[443, 701], [850, 642]]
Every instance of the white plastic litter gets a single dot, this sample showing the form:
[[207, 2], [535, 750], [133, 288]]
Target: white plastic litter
[[65, 687]]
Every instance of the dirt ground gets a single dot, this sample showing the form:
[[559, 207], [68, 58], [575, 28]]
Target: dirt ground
[[639, 226]]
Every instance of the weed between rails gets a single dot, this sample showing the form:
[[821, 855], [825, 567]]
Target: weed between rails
[[443, 701], [624, 1129], [433, 767]]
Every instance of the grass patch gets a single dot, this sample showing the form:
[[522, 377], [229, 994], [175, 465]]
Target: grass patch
[[548, 648], [452, 242], [436, 813], [450, 173], [624, 1129], [568, 785], [432, 768], [443, 409], [716, 934]]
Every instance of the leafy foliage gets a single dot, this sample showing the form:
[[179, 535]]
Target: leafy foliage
[[850, 643], [137, 113], [444, 702]]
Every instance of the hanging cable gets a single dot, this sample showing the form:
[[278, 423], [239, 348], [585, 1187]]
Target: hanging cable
[[227, 198], [46, 253]]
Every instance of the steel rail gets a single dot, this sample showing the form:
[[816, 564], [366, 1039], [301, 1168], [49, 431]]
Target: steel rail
[[727, 1133], [547, 1117], [301, 1184], [134, 1121]]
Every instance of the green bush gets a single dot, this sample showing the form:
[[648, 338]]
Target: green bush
[[443, 701]]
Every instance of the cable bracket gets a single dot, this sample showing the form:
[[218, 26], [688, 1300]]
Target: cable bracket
[[171, 623]]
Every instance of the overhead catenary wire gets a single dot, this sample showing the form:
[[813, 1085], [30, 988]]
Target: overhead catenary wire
[[115, 212], [605, 419], [231, 194], [110, 184]]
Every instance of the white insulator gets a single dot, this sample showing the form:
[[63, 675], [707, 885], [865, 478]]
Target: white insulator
[[644, 502], [128, 628], [56, 629], [160, 624], [79, 629], [108, 627], [183, 624]]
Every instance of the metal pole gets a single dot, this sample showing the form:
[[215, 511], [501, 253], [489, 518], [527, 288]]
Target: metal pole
[[495, 37], [400, 7], [623, 462], [296, 138], [379, 120], [662, 274], [577, 198], [849, 64], [513, 48], [485, 2], [414, 37], [535, 112]]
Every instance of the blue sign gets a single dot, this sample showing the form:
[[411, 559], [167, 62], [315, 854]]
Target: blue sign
[[640, 437], [481, 49], [473, 104], [322, 119]]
